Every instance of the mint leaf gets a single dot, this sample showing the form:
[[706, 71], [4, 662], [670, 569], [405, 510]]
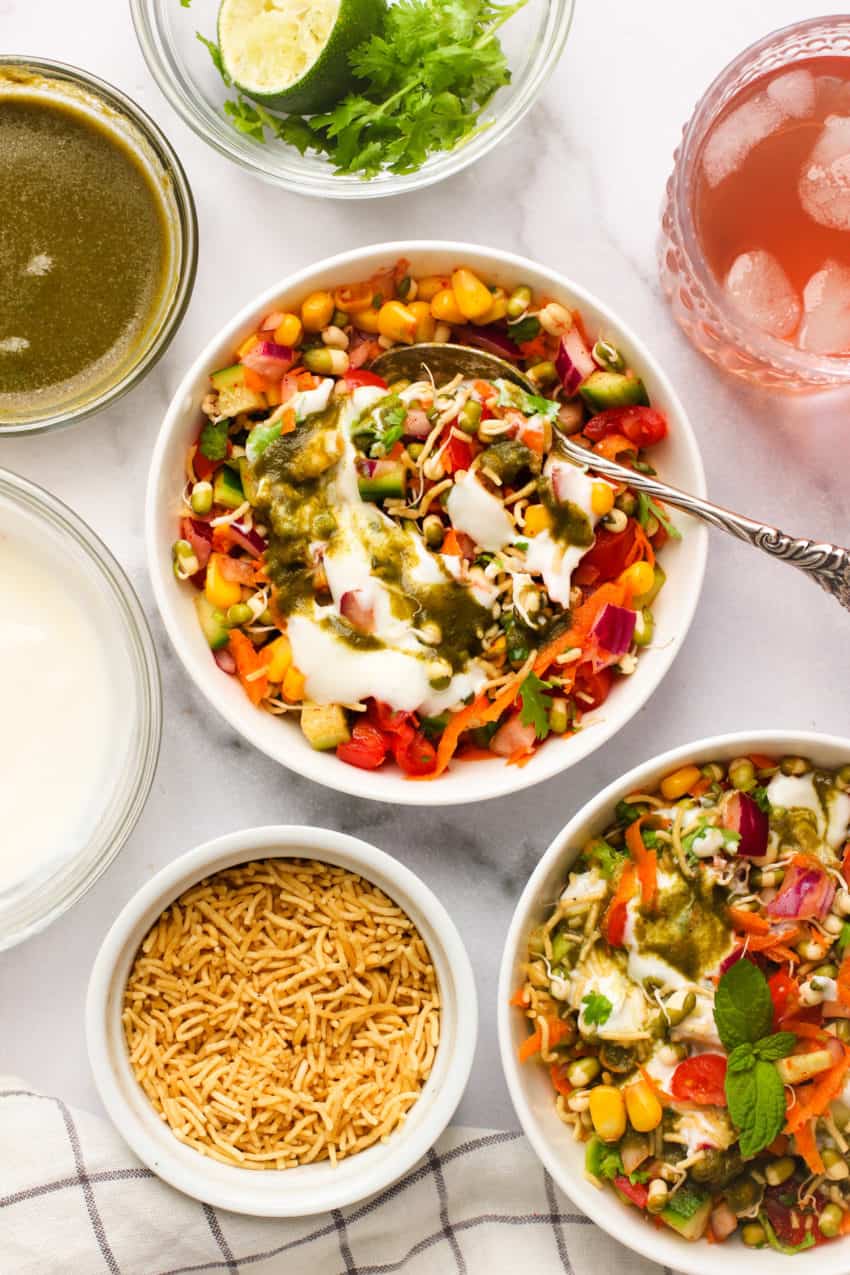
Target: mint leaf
[[743, 1009], [756, 1100], [779, 1045], [534, 711], [742, 1058], [597, 1009], [213, 442]]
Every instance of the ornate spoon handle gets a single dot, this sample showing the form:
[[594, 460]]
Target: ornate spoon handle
[[828, 565]]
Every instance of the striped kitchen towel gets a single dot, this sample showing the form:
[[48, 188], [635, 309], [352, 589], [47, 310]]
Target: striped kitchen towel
[[75, 1201]]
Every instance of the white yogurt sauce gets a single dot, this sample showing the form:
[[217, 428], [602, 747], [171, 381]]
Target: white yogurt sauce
[[545, 555], [58, 712], [798, 791], [479, 514]]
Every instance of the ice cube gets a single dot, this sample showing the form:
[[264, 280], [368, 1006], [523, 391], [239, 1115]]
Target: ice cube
[[761, 290], [736, 135], [794, 93], [826, 311], [824, 184], [833, 95]]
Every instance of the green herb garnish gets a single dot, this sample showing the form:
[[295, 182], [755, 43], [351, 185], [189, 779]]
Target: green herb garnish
[[760, 797], [524, 329], [603, 856], [648, 508], [596, 1008], [602, 1161], [743, 1014], [213, 442], [214, 51], [534, 711]]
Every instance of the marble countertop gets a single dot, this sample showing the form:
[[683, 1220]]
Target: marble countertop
[[588, 164]]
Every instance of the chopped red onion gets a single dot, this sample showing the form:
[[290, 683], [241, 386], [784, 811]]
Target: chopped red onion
[[742, 815], [199, 534], [416, 423], [269, 359], [573, 362], [614, 629], [491, 340], [251, 540], [805, 892], [513, 737], [225, 661], [356, 607]]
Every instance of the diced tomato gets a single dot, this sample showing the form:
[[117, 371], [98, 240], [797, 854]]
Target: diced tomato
[[845, 864], [458, 455], [592, 689], [367, 747], [614, 923], [642, 426], [634, 1191], [790, 1223], [701, 1080], [608, 557], [785, 995], [389, 720], [415, 755], [558, 1074], [355, 377], [204, 469]]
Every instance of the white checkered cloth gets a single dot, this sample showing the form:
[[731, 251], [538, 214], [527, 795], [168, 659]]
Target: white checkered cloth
[[75, 1201]]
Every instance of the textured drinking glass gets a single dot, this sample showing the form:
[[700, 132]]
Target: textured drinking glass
[[533, 41], [698, 300]]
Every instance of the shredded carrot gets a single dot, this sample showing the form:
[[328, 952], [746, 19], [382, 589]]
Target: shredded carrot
[[647, 554], [613, 446], [534, 1043], [813, 1099], [767, 942], [518, 999], [782, 955], [748, 922], [253, 380], [808, 1147], [288, 420], [248, 661], [645, 861], [535, 349], [583, 620], [559, 1080], [520, 757], [809, 1031], [761, 761], [451, 546]]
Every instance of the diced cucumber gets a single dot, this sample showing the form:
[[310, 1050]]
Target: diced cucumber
[[227, 488], [325, 726], [250, 486], [212, 623], [389, 479], [613, 389], [688, 1213], [644, 627], [234, 395]]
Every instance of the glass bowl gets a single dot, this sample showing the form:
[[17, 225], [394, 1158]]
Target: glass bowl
[[533, 40], [118, 114], [121, 785], [697, 298]]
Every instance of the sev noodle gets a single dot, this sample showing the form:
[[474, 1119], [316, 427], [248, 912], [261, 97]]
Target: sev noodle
[[281, 1012]]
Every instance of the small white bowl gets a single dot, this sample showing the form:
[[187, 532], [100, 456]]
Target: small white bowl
[[678, 462], [528, 1083], [313, 1188]]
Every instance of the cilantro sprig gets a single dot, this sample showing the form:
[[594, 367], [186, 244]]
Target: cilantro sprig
[[596, 1009], [213, 442], [534, 711], [647, 508], [755, 1094]]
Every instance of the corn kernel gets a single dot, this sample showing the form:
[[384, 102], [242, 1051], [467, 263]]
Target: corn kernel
[[367, 321], [278, 656], [681, 781], [288, 331], [397, 322], [425, 321], [608, 1112], [293, 685], [498, 307], [643, 1107], [427, 288], [639, 577], [220, 592], [445, 308], [473, 298], [602, 499], [536, 519], [317, 310], [248, 344]]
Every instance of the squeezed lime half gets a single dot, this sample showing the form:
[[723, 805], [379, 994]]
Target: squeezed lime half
[[292, 55]]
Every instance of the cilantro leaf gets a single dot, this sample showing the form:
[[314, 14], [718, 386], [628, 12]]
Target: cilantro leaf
[[213, 442], [597, 1009], [214, 52], [601, 1160], [534, 711], [743, 1009], [603, 856], [648, 508], [524, 329], [626, 813], [760, 797], [686, 1202]]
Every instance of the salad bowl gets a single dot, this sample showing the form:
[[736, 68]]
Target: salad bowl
[[678, 460], [529, 1083]]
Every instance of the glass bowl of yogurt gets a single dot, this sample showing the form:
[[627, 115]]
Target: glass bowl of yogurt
[[80, 689]]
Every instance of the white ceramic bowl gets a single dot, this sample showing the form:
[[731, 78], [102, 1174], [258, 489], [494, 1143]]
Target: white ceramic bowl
[[308, 1189], [528, 1083], [678, 461]]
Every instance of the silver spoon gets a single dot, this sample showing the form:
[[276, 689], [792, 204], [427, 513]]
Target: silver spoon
[[827, 564]]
